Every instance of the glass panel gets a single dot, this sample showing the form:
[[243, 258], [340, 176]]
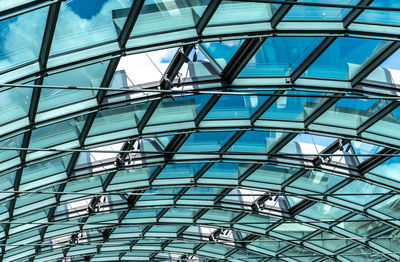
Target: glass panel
[[15, 141], [362, 226], [210, 141], [389, 169], [360, 192], [21, 38], [235, 106], [381, 16], [305, 12], [280, 56], [388, 126], [316, 181], [351, 112], [364, 148], [242, 12], [341, 60], [329, 241], [292, 107], [324, 212], [165, 15], [390, 207], [15, 102], [222, 52], [88, 76], [57, 133], [257, 142], [82, 23]]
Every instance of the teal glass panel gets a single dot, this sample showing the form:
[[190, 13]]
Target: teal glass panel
[[305, 12], [201, 193], [363, 226], [301, 254], [266, 244], [341, 60], [223, 171], [210, 141], [21, 38], [390, 207], [235, 106], [7, 183], [57, 133], [329, 241], [270, 174], [180, 170], [364, 148], [44, 173], [292, 107], [199, 100], [117, 119], [360, 192], [15, 141], [280, 56], [351, 112], [389, 169], [381, 16], [242, 12], [222, 52], [16, 103], [164, 15], [324, 212], [174, 111], [255, 223], [256, 141], [388, 126], [88, 76], [316, 181], [82, 23], [294, 230]]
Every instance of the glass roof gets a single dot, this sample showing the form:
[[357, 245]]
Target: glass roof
[[199, 130]]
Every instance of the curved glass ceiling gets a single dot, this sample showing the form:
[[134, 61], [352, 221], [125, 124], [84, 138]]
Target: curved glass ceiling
[[199, 130]]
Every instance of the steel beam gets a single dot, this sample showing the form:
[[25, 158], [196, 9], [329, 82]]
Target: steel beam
[[280, 14], [207, 15], [311, 58], [240, 59], [374, 61]]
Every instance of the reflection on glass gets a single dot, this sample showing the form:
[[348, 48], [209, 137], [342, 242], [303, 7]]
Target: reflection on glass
[[82, 23], [21, 38], [303, 12], [222, 52], [341, 60], [381, 16], [280, 56]]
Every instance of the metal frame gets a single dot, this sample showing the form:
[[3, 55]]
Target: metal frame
[[226, 82]]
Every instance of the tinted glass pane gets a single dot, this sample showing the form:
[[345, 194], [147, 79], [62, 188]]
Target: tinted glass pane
[[21, 38], [82, 23], [341, 60], [280, 56]]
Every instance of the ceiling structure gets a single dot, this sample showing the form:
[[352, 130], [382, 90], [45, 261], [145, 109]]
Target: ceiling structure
[[199, 130]]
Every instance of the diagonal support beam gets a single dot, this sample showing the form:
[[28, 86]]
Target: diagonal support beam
[[374, 61], [130, 22], [355, 13], [207, 15], [311, 58], [240, 59], [280, 14], [378, 116], [172, 71]]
